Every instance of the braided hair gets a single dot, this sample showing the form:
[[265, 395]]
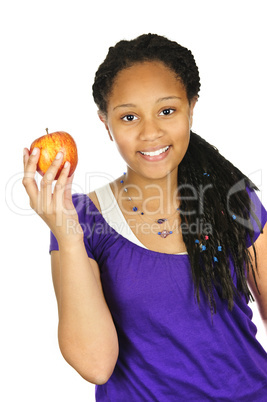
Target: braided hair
[[222, 222]]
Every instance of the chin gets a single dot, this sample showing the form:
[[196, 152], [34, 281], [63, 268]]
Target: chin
[[159, 174]]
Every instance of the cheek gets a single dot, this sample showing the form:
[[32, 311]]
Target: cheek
[[182, 139], [182, 131], [123, 143], [185, 140], [124, 146], [125, 140]]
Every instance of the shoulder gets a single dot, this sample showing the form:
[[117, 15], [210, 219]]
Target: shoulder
[[260, 272], [102, 195], [258, 213], [94, 199]]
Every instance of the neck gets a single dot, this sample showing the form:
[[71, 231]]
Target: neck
[[158, 196]]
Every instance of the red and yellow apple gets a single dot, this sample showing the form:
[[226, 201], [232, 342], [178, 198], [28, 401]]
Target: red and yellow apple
[[50, 145]]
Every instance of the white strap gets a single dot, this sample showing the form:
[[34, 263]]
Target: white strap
[[111, 212]]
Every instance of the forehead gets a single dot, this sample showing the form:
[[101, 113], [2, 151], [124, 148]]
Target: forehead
[[151, 77]]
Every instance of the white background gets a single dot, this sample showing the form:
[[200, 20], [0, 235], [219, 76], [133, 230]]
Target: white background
[[49, 52]]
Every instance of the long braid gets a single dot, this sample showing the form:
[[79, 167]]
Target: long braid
[[220, 235]]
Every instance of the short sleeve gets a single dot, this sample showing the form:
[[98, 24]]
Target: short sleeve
[[83, 206], [258, 216], [53, 242]]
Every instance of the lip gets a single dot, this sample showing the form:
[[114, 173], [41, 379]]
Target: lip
[[155, 158], [153, 149]]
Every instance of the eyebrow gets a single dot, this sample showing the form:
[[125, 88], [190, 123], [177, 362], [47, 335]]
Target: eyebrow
[[157, 101]]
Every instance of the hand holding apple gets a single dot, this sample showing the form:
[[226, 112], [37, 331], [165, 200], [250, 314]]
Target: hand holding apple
[[54, 156], [50, 145]]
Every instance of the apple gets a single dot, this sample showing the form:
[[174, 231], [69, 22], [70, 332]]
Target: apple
[[50, 145]]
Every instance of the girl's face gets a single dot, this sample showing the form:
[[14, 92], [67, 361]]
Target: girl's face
[[149, 118]]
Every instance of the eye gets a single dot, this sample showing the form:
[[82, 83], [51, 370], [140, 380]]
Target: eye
[[129, 117], [167, 112]]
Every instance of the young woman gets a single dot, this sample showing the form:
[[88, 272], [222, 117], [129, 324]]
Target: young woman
[[151, 271]]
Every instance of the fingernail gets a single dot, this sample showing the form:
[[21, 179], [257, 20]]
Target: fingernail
[[24, 151], [66, 164], [59, 155], [34, 151]]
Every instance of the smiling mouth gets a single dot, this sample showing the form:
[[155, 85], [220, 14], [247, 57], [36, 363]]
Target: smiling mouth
[[155, 153]]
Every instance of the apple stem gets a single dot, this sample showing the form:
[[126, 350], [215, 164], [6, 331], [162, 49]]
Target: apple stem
[[46, 130]]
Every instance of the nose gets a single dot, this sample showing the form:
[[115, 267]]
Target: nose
[[150, 130]]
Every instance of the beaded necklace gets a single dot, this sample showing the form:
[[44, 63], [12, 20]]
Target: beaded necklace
[[164, 233]]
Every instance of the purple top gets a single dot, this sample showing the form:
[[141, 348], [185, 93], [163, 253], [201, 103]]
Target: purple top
[[169, 350]]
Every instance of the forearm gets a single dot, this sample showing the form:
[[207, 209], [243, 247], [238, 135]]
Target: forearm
[[87, 335]]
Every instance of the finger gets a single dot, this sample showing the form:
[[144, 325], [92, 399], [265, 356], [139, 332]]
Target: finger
[[30, 160], [26, 154], [53, 168], [68, 193], [63, 183], [47, 181], [64, 174], [63, 178], [30, 165], [68, 186]]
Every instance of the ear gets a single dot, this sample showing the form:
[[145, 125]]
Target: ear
[[191, 111], [103, 118]]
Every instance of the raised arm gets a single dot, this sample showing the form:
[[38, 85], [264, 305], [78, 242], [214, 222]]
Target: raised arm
[[86, 332]]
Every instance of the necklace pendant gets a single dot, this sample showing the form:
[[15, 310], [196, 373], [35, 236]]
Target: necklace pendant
[[164, 233], [160, 221]]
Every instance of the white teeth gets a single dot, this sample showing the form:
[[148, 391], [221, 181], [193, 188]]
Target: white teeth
[[158, 152]]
